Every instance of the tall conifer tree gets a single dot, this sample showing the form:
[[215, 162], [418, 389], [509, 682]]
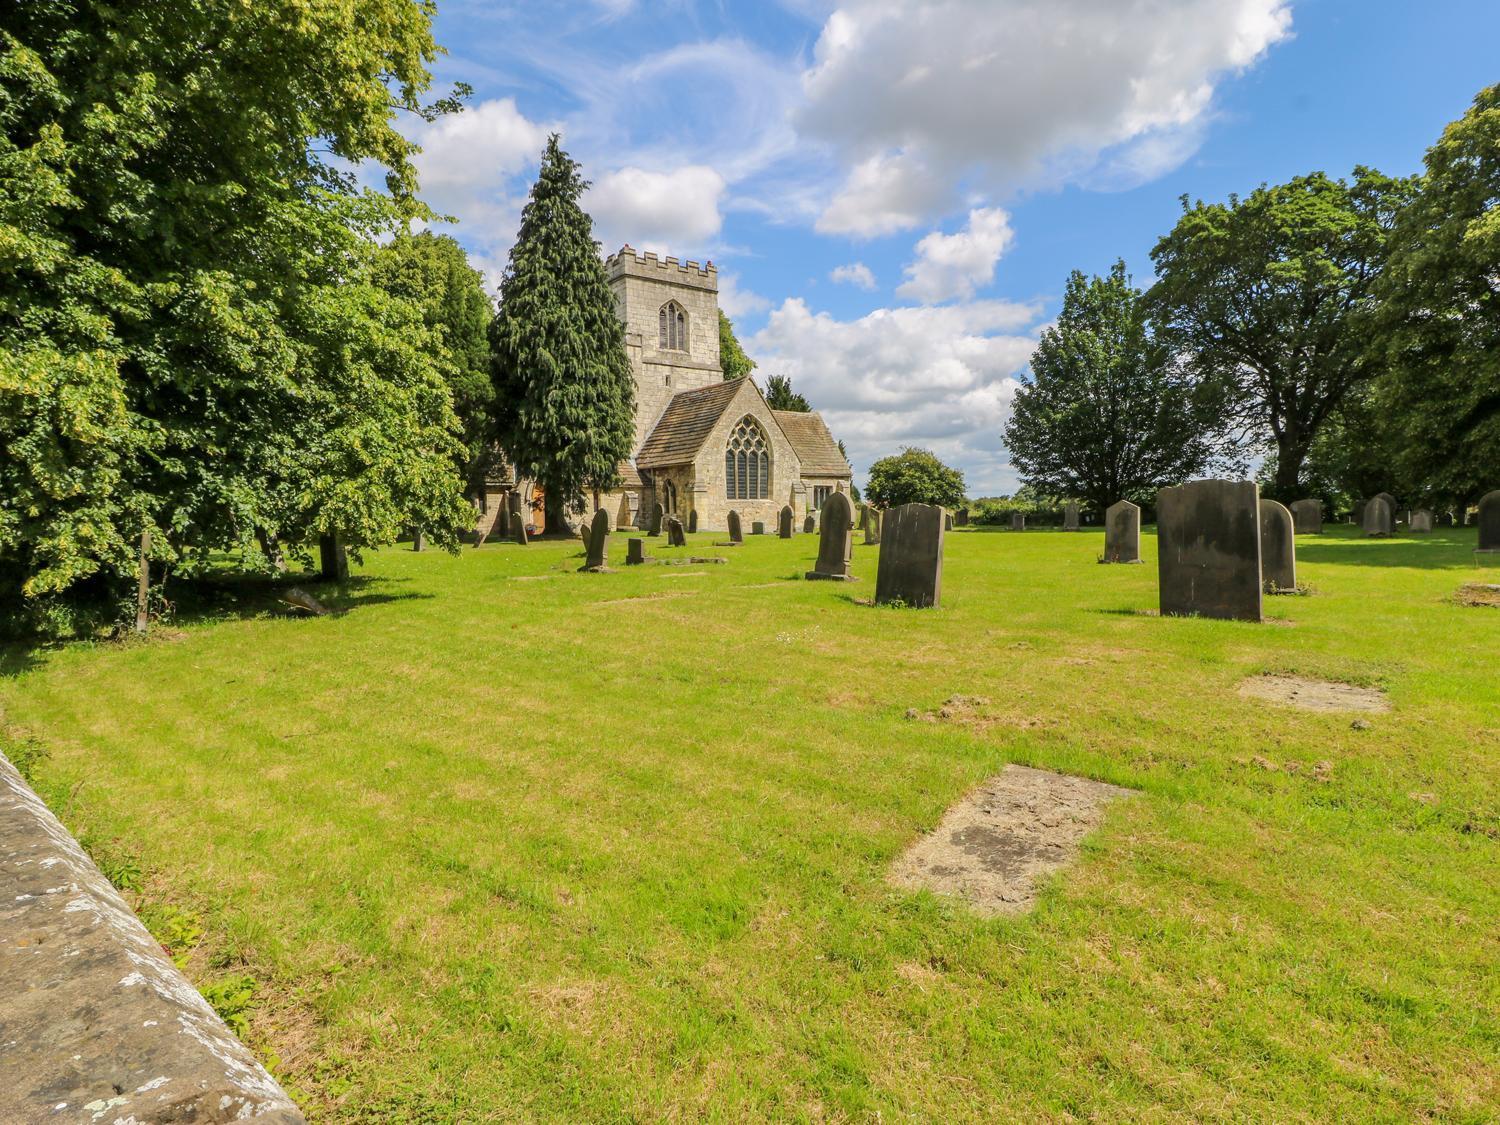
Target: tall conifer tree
[[565, 397]]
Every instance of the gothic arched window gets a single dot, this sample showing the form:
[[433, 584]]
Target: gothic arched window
[[747, 462], [671, 325]]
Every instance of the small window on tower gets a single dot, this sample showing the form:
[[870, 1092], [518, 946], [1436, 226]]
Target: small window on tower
[[671, 327]]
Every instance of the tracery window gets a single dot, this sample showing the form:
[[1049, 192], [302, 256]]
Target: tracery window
[[671, 323], [747, 462]]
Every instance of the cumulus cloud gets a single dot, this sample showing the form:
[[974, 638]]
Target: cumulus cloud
[[954, 265], [855, 273], [663, 211], [737, 302], [939, 377], [917, 96], [468, 158]]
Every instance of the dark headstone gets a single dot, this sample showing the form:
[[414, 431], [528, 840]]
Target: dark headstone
[[1389, 499], [1489, 521], [1278, 547], [962, 518], [418, 542], [656, 516], [947, 521], [809, 525], [1122, 533], [635, 552], [598, 542], [693, 522], [333, 559], [864, 517], [675, 536], [872, 525], [911, 556], [1070, 516], [1018, 521], [1307, 517], [1208, 549], [1421, 521], [835, 539], [1376, 520], [785, 521], [757, 527], [736, 529], [1445, 519]]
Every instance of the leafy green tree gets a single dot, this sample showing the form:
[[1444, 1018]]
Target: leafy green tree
[[1440, 315], [914, 476], [780, 396], [565, 397], [1270, 295], [732, 357], [1106, 415], [433, 272]]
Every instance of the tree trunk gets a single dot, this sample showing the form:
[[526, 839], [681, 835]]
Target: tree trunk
[[143, 585], [334, 560], [1290, 457], [271, 549]]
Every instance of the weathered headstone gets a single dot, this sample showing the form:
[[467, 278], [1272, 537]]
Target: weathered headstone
[[1018, 521], [1278, 547], [333, 559], [418, 541], [693, 522], [1122, 533], [757, 527], [911, 556], [736, 530], [1445, 519], [962, 518], [1391, 500], [784, 522], [675, 536], [1489, 521], [810, 524], [656, 516], [835, 540], [1421, 521], [1376, 520], [947, 520], [1070, 516], [872, 525], [598, 542], [1307, 517], [864, 518], [635, 552], [518, 528], [1208, 549]]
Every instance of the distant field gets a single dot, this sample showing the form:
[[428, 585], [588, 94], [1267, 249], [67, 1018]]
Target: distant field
[[506, 841]]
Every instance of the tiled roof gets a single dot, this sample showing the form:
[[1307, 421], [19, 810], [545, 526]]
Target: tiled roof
[[812, 443], [686, 423], [630, 480]]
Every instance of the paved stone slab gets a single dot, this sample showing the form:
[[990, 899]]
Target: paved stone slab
[[1313, 695], [1278, 547], [1122, 533], [1307, 517], [911, 556], [1208, 549]]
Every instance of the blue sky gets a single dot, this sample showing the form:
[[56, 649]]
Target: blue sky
[[894, 192]]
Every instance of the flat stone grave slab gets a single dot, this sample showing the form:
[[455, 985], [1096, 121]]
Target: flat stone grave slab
[[1314, 695], [1480, 594], [995, 847]]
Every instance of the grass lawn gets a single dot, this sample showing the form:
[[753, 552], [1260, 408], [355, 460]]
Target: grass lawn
[[506, 841]]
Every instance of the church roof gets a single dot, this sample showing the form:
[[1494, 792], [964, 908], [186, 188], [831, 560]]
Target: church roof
[[686, 423], [812, 443]]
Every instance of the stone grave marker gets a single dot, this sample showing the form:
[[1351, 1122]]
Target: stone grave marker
[[947, 520], [1489, 521], [1278, 547], [962, 518], [1307, 517], [1018, 521], [1070, 516], [635, 552], [911, 556], [656, 517], [1122, 533], [693, 522], [1208, 549], [675, 535], [1445, 519], [1376, 519], [872, 525], [784, 521], [518, 528], [736, 530], [598, 542], [757, 527], [835, 540], [1421, 521], [810, 524]]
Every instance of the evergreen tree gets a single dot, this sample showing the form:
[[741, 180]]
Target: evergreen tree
[[732, 357], [565, 396], [1105, 416], [780, 396]]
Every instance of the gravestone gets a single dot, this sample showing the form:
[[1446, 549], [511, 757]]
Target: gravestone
[[872, 525], [911, 556], [962, 518], [1278, 547], [693, 522], [1391, 500], [1489, 521], [1307, 517], [333, 560], [598, 542], [635, 552], [418, 542], [512, 505], [1070, 516], [736, 531], [1421, 521], [836, 540], [1122, 533], [864, 517], [1018, 521], [675, 535], [656, 514], [1376, 520], [810, 524], [518, 528], [583, 530], [947, 520], [1445, 519], [1208, 549], [784, 520]]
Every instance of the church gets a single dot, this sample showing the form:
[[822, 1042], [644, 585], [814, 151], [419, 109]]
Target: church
[[703, 445]]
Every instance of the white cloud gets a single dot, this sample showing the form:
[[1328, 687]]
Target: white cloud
[[954, 265], [669, 212], [737, 302], [917, 97], [468, 158], [939, 377], [855, 273]]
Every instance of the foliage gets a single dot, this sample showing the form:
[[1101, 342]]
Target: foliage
[[1107, 416], [732, 357], [1270, 296], [914, 476], [433, 272], [233, 998], [565, 397], [780, 396], [1440, 315]]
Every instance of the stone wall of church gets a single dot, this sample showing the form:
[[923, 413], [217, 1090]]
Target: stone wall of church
[[708, 473]]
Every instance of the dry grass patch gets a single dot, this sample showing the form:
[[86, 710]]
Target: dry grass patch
[[1479, 594], [1313, 695]]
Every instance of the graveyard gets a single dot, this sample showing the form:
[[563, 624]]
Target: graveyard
[[475, 850]]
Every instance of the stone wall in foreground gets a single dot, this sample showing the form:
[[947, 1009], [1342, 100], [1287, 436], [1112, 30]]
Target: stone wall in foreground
[[96, 1024]]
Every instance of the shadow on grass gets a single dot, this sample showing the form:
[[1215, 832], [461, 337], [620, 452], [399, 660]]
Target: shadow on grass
[[244, 596], [1438, 550]]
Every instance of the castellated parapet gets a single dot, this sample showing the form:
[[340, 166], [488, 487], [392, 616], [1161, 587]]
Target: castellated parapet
[[628, 262]]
